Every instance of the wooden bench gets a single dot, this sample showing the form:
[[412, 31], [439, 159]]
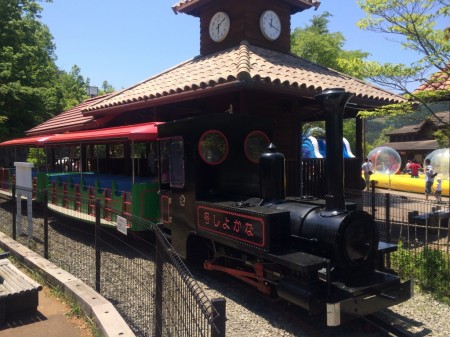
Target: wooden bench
[[433, 218], [18, 292]]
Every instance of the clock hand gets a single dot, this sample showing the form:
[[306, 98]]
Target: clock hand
[[270, 24], [218, 25]]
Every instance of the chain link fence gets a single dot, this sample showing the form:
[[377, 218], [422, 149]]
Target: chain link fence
[[139, 273]]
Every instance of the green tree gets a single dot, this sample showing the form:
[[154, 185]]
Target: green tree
[[317, 44], [381, 140], [73, 86], [106, 88], [413, 24], [27, 68]]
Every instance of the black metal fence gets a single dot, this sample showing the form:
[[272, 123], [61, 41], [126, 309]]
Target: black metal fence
[[312, 177], [412, 220], [138, 272], [421, 228]]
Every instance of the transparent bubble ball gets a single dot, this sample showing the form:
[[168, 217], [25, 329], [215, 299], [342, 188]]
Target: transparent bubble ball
[[385, 160], [440, 162]]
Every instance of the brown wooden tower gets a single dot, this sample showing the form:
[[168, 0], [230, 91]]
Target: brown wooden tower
[[263, 23]]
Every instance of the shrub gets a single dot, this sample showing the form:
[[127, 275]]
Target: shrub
[[403, 262], [429, 267]]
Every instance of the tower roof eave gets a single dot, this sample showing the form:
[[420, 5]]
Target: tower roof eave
[[191, 6]]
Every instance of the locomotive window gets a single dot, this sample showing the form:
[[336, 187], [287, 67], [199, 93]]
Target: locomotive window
[[255, 144], [164, 159], [172, 162], [177, 164], [213, 147]]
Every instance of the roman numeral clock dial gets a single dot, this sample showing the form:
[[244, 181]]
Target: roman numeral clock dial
[[270, 25]]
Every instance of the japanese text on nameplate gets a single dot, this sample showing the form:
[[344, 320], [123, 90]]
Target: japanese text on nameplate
[[242, 227]]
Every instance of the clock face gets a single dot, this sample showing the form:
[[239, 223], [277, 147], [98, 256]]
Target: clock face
[[219, 26], [270, 25]]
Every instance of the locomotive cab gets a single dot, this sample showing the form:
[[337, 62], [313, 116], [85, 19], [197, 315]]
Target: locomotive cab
[[212, 158]]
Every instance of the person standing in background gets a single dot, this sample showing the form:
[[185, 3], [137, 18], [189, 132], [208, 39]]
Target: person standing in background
[[367, 168], [429, 177], [414, 168]]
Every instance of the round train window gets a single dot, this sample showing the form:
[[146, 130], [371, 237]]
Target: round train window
[[213, 147], [255, 144]]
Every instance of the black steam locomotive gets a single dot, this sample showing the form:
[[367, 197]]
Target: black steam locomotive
[[222, 189]]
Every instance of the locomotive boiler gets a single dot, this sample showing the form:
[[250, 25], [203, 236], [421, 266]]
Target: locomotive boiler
[[223, 201]]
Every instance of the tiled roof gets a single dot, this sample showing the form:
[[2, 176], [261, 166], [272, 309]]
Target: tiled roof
[[180, 5], [242, 65], [417, 145], [69, 120], [406, 129], [439, 81], [443, 119]]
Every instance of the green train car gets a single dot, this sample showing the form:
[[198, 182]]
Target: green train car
[[74, 194]]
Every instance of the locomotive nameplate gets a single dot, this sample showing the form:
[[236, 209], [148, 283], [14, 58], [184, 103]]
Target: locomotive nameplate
[[241, 227], [261, 228]]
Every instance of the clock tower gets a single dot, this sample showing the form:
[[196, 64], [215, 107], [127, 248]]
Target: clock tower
[[225, 23]]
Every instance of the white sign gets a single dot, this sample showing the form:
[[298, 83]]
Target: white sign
[[23, 174], [122, 225]]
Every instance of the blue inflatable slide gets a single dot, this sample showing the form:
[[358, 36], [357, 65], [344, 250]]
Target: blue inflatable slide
[[313, 147]]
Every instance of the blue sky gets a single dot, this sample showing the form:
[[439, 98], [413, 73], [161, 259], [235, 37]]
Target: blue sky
[[125, 42]]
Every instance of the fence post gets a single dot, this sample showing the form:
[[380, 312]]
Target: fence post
[[14, 212], [448, 235], [97, 245], [159, 285], [388, 225], [373, 201], [219, 323], [46, 224]]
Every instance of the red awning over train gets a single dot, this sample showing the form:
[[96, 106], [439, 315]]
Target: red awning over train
[[27, 141], [137, 132]]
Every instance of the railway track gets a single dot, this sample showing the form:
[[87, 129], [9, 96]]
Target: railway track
[[386, 327]]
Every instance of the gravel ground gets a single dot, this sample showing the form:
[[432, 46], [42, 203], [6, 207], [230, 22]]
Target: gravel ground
[[248, 312], [422, 316]]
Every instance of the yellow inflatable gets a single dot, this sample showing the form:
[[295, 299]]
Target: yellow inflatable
[[404, 182]]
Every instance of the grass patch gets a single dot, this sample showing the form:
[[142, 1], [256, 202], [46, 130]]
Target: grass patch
[[429, 267]]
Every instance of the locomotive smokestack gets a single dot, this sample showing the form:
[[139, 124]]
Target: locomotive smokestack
[[334, 101], [272, 175]]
